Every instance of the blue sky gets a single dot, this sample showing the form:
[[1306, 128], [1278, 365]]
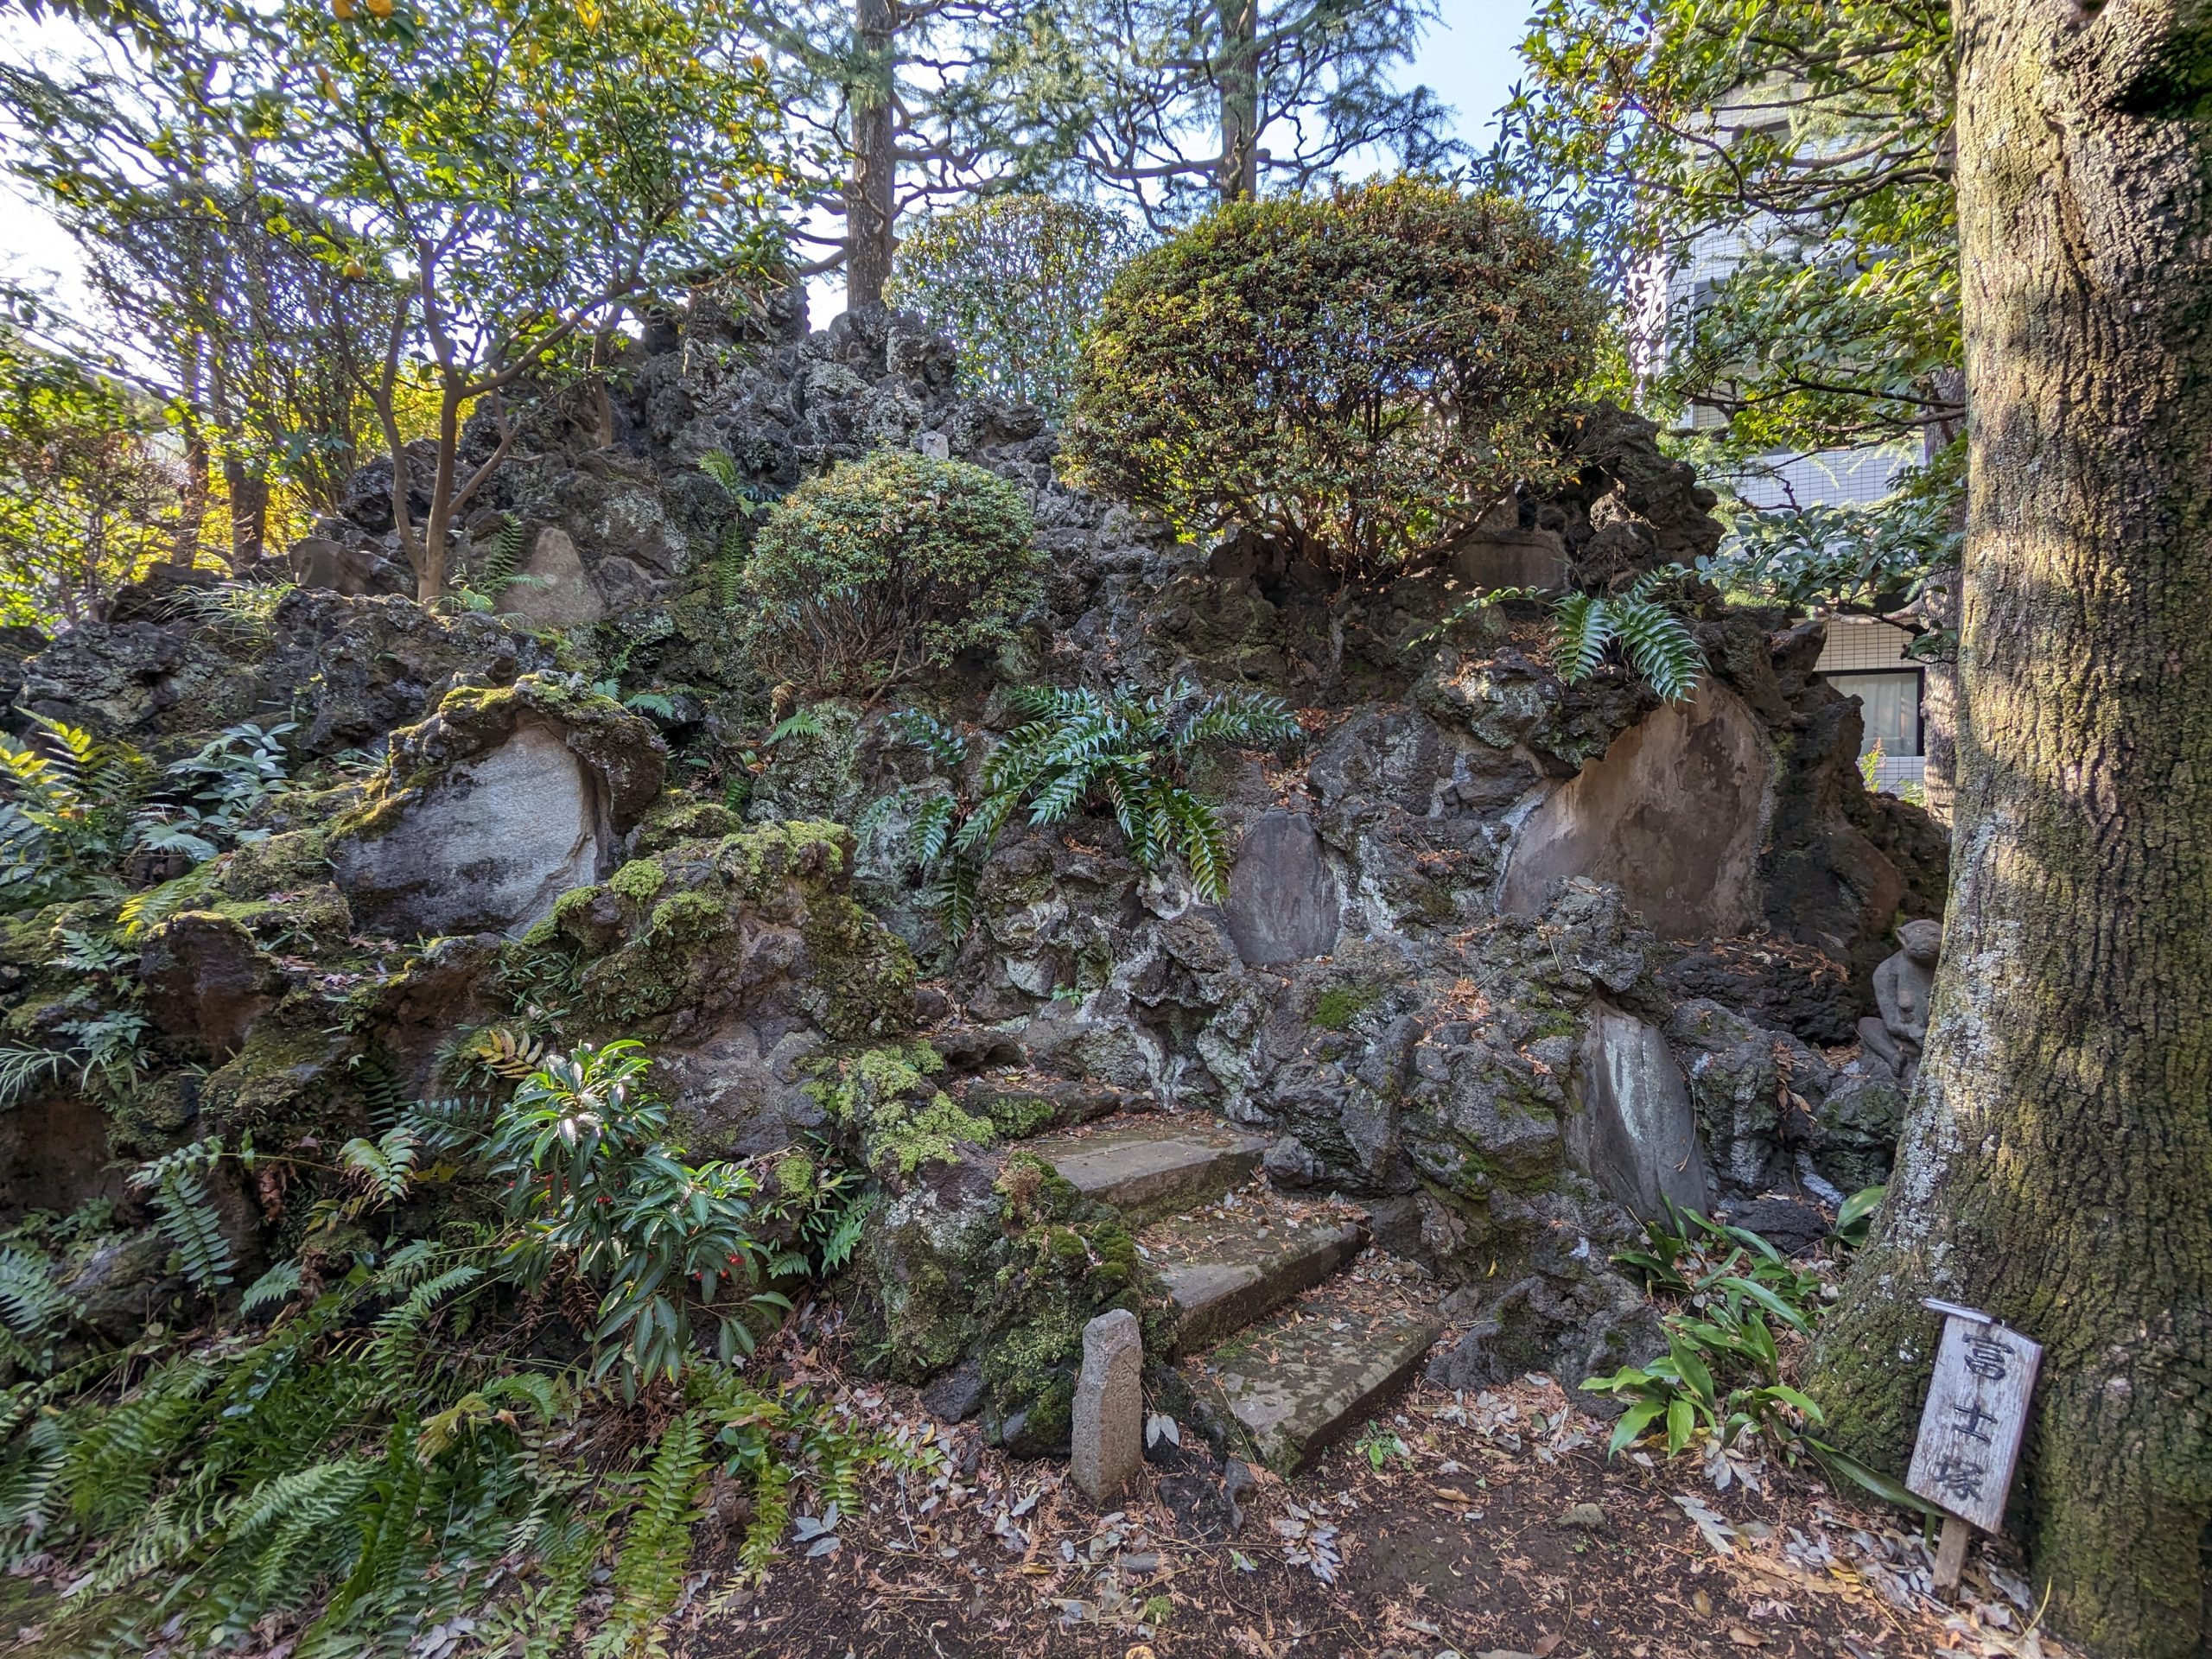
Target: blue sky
[[1469, 61]]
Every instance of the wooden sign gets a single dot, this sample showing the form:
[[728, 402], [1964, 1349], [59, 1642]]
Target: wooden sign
[[1970, 1429]]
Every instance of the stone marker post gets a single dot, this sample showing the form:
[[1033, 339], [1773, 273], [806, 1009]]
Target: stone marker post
[[1108, 1428]]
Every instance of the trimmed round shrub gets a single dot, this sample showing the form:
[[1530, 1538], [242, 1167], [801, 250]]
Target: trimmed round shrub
[[1360, 379], [882, 568], [1014, 280]]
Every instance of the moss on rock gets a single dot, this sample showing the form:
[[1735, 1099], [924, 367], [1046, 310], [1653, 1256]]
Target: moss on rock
[[708, 927], [1001, 1260]]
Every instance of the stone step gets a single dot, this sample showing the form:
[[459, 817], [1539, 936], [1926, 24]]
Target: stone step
[[1152, 1166], [1318, 1369], [1225, 1268]]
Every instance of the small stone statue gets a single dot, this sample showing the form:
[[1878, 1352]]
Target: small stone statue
[[1901, 987]]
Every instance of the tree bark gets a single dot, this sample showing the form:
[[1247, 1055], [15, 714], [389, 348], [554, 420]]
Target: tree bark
[[249, 513], [1239, 100], [2057, 1167], [871, 202], [192, 498]]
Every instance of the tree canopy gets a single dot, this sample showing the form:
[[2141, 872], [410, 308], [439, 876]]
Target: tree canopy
[[1812, 138]]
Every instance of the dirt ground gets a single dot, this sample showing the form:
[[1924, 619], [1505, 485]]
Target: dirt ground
[[1485, 1526]]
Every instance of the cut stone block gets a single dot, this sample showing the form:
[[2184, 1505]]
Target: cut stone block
[[1221, 1285], [1154, 1169], [1108, 1430], [1317, 1371]]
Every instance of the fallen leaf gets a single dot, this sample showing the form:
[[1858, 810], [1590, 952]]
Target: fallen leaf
[[1744, 1638]]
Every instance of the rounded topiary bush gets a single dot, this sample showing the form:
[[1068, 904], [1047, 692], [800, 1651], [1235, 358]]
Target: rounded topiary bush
[[882, 568], [1359, 377]]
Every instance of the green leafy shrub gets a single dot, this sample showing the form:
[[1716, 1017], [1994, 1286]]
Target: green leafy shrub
[[1079, 748], [391, 1449], [1014, 280], [74, 807], [599, 1191], [1360, 378], [1721, 1375], [883, 568], [1721, 1387]]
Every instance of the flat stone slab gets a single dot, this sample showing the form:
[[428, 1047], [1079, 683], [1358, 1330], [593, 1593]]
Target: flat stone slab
[[1318, 1371], [1226, 1269], [1154, 1167]]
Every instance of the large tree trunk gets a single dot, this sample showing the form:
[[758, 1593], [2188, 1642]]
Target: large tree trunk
[[2056, 1168], [1240, 99], [871, 201]]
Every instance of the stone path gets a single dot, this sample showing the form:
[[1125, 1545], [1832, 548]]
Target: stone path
[[1299, 1352]]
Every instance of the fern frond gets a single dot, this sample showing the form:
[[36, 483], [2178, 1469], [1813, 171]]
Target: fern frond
[[945, 743], [275, 1285], [1582, 627], [1239, 716], [955, 899], [772, 1515], [507, 1052], [505, 555], [730, 555], [930, 832], [656, 1544], [382, 1167], [1659, 645], [1203, 843], [721, 466], [800, 722], [188, 1218]]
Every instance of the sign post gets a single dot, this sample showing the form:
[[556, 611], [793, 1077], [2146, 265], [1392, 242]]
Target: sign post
[[1970, 1429]]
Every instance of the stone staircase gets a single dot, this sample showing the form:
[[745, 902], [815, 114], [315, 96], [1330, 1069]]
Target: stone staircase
[[1278, 1313]]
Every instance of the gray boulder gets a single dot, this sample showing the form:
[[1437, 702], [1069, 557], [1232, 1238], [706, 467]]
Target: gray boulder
[[502, 801]]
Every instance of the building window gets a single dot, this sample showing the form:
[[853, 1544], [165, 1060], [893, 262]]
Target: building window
[[1866, 659], [1890, 705]]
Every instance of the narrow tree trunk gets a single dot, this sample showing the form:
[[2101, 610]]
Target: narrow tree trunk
[[249, 513], [1240, 99], [2057, 1167], [431, 569], [871, 201], [191, 500]]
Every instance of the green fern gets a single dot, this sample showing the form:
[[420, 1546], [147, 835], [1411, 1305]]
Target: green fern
[[1586, 627], [735, 547], [1075, 747], [32, 1308], [277, 1285], [384, 1167], [721, 466], [656, 1546], [1658, 642], [946, 744], [505, 556], [186, 1214]]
